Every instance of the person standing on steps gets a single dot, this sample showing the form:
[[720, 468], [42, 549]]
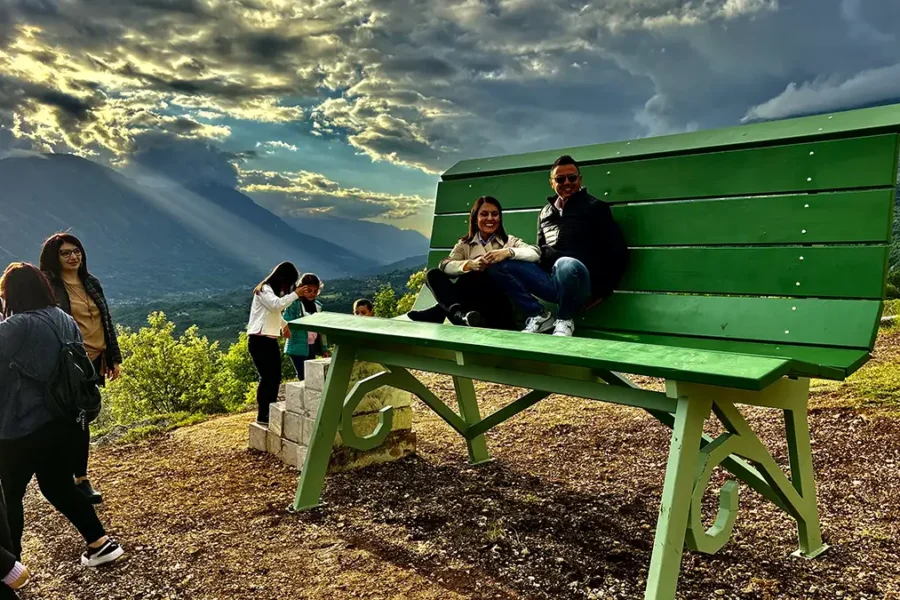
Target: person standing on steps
[[301, 347], [64, 262], [583, 255], [34, 439], [270, 298], [473, 299]]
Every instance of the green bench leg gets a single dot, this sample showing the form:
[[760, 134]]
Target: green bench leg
[[468, 410], [796, 424], [684, 450], [312, 477]]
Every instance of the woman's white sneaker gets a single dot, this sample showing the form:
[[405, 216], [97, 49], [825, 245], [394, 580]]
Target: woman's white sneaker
[[539, 324], [564, 328], [107, 553]]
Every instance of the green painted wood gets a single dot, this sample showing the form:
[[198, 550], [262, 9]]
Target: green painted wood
[[435, 257], [401, 355], [806, 361], [447, 229], [809, 532], [833, 217], [857, 216], [843, 323], [468, 410], [312, 477], [405, 380], [869, 121], [746, 372], [867, 162], [668, 544], [823, 271], [770, 271], [507, 412]]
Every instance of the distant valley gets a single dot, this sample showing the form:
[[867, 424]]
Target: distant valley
[[178, 241]]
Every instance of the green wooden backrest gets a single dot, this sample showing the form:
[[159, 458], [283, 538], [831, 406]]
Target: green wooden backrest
[[775, 232]]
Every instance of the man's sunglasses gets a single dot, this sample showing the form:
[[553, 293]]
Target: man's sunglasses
[[563, 178]]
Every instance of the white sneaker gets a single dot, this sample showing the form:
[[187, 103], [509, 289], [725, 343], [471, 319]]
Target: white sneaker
[[107, 553], [564, 328], [539, 324]]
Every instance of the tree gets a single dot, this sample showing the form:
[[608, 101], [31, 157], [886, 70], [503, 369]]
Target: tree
[[414, 285], [165, 374], [385, 303]]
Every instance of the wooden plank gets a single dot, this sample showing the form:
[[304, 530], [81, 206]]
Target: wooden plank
[[832, 217], [821, 271], [800, 271], [866, 162], [841, 323], [869, 121], [857, 216], [447, 229], [808, 361], [701, 366]]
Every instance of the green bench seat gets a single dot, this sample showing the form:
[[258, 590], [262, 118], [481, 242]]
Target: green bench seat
[[759, 256]]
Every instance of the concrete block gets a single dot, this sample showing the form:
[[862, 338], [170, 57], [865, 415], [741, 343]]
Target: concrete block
[[258, 435], [276, 418], [311, 401], [365, 424], [293, 396], [273, 443], [292, 454], [316, 372], [293, 427], [307, 426], [397, 445]]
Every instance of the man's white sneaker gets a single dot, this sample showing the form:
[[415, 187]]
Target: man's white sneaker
[[539, 324], [564, 328]]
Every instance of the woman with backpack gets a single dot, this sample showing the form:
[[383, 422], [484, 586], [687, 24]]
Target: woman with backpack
[[35, 437], [78, 293], [266, 325]]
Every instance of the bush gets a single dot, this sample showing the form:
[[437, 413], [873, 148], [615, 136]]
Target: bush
[[165, 374], [386, 304]]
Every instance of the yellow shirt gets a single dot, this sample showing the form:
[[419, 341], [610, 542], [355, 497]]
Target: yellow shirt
[[87, 316]]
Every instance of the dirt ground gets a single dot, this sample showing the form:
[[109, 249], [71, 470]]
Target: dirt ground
[[566, 510]]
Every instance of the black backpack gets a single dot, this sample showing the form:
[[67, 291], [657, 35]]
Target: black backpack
[[73, 388]]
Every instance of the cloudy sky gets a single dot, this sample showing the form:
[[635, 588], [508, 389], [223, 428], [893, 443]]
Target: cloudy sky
[[353, 107]]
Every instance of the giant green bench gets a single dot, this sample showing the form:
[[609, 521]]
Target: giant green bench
[[759, 256]]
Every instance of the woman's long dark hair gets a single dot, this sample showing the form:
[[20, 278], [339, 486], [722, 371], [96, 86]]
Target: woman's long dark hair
[[24, 287], [50, 263], [473, 220], [282, 279]]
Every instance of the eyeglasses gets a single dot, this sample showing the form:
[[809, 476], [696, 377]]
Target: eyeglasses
[[68, 253], [563, 178]]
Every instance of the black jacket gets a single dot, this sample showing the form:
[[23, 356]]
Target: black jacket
[[587, 232], [112, 355]]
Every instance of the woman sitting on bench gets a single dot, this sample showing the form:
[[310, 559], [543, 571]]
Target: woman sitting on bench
[[473, 299]]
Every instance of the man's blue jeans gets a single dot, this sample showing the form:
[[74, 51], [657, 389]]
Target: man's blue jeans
[[567, 285]]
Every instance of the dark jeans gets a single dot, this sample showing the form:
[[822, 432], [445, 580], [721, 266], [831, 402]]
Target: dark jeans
[[266, 357], [44, 453], [568, 285], [472, 291], [7, 551], [299, 365], [82, 437]]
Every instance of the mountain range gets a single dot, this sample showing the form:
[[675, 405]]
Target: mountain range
[[154, 238]]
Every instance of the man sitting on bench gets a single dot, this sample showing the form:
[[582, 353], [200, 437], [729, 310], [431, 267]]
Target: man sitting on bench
[[583, 255]]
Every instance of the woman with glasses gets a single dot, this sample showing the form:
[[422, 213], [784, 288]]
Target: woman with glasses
[[78, 293]]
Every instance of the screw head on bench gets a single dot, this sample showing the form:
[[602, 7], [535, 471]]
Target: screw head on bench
[[804, 206], [801, 258], [803, 231], [809, 178], [812, 153], [786, 331]]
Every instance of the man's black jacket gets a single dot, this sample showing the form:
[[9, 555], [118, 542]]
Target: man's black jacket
[[587, 232]]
